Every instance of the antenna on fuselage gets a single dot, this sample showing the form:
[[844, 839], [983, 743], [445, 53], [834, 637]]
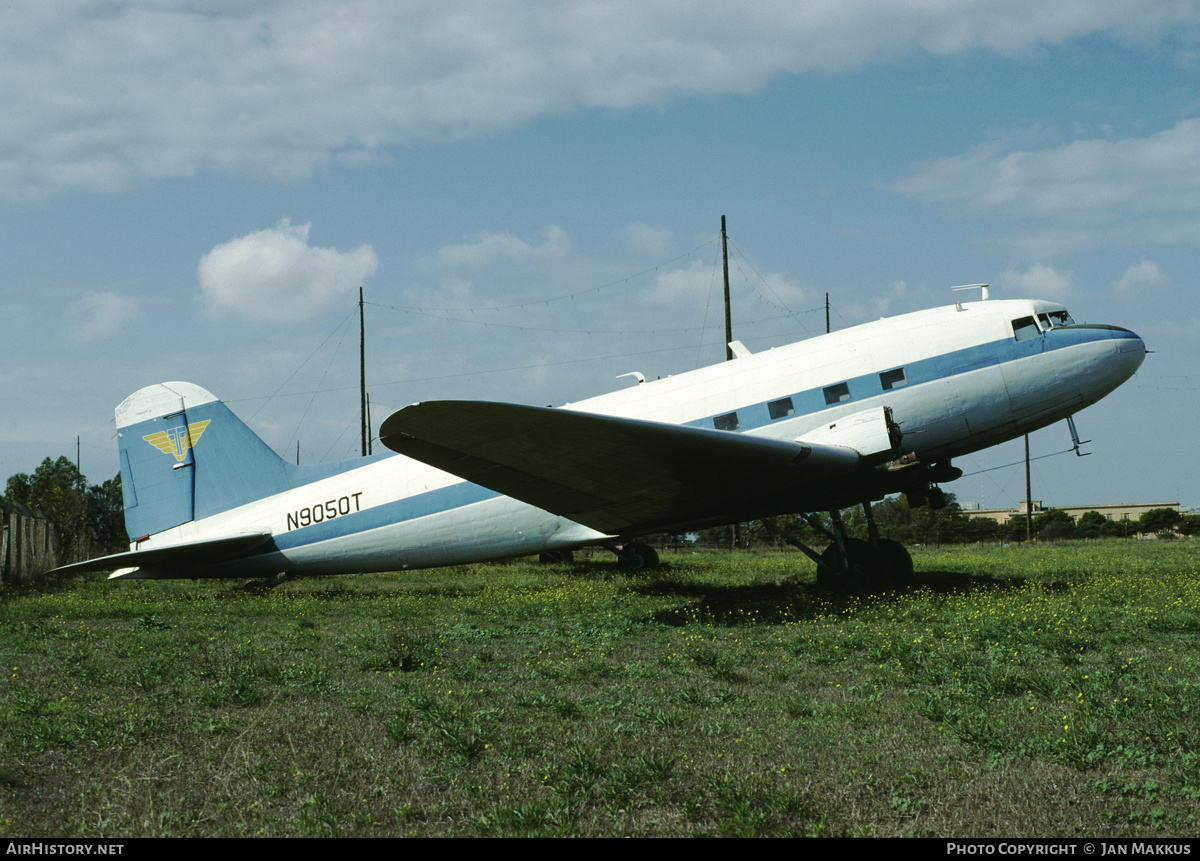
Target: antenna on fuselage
[[982, 288]]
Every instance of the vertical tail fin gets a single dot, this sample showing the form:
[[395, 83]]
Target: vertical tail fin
[[185, 455]]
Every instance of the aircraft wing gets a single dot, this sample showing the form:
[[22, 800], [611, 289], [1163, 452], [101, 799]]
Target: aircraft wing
[[192, 554], [619, 476]]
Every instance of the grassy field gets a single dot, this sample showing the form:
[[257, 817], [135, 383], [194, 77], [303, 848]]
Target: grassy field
[[1021, 691]]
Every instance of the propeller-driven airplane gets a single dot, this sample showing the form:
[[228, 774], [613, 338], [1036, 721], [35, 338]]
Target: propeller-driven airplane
[[819, 425]]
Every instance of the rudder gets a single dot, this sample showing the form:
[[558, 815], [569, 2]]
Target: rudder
[[185, 455]]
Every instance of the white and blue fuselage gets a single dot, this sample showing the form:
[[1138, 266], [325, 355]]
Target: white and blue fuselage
[[953, 380]]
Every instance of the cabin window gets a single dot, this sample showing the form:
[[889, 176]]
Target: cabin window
[[1025, 328], [893, 379], [781, 409], [729, 421], [837, 394]]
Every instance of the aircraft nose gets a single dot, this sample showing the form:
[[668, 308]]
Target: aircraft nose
[[1116, 362], [1130, 350]]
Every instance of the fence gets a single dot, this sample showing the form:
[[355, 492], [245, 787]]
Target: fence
[[27, 549]]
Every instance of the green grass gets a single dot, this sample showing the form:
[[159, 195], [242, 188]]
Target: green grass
[[1047, 691]]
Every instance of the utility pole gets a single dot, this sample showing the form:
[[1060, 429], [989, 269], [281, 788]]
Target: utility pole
[[725, 263], [734, 529], [362, 365], [1028, 496]]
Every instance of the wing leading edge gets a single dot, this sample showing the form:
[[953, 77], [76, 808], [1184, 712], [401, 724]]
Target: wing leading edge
[[616, 475]]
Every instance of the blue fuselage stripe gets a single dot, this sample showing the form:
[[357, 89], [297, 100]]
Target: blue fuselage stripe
[[928, 370], [389, 513]]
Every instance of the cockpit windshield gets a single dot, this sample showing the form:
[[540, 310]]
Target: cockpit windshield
[[1054, 319], [1025, 328]]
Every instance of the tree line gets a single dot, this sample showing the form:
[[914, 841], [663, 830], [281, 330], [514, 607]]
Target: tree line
[[898, 521], [88, 520]]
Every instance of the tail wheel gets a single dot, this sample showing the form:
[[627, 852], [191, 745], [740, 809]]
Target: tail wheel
[[637, 556]]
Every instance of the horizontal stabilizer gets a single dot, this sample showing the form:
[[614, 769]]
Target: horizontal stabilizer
[[193, 554], [616, 475]]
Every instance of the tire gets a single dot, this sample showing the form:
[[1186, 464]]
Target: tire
[[859, 553], [886, 566], [894, 562]]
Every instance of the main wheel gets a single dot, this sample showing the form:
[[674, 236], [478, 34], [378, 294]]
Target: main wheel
[[894, 562], [885, 566], [858, 554]]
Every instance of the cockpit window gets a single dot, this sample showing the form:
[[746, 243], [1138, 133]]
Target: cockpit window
[[1025, 328], [1055, 319]]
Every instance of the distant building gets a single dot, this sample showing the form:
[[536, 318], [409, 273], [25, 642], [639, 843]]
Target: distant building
[[1124, 511]]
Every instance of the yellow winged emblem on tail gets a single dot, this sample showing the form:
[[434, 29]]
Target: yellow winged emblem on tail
[[177, 440]]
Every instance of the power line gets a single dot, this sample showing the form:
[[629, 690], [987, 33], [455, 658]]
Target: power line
[[546, 301]]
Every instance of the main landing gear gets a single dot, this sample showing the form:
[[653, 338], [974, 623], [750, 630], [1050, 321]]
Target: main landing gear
[[854, 563]]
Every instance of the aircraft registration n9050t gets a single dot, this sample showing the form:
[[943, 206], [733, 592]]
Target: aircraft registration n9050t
[[819, 425]]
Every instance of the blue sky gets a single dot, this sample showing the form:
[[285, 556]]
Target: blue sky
[[531, 195]]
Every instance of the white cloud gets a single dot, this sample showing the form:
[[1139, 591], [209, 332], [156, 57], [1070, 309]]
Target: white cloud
[[488, 247], [649, 239], [686, 288], [1079, 196], [275, 275], [1039, 281], [100, 315], [782, 292], [103, 97], [897, 298], [1142, 275]]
